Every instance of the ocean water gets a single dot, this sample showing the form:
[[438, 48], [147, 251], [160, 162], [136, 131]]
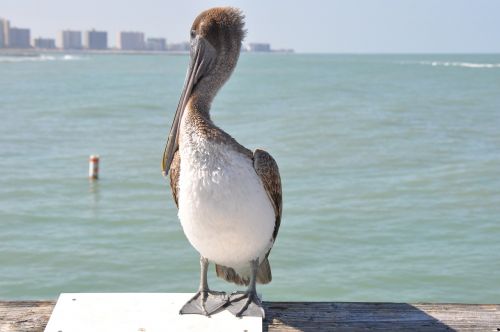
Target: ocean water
[[390, 167]]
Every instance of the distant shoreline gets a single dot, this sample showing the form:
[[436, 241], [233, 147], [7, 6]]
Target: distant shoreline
[[36, 52]]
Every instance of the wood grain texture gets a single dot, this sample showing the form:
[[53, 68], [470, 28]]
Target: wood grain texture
[[25, 315], [314, 316], [340, 316]]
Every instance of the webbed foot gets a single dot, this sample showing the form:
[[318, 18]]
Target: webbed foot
[[246, 304], [205, 303]]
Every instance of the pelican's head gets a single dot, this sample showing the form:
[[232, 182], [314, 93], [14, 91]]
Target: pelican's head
[[216, 36], [221, 31]]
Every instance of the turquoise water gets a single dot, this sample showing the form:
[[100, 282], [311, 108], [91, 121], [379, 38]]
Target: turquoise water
[[390, 167]]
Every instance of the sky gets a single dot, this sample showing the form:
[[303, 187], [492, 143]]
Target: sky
[[312, 26]]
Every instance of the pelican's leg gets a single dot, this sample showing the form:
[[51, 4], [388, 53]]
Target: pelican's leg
[[204, 302], [247, 303]]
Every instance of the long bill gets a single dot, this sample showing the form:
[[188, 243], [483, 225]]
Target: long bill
[[202, 56]]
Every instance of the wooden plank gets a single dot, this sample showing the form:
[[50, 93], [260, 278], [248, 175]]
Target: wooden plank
[[25, 315], [313, 316], [339, 316]]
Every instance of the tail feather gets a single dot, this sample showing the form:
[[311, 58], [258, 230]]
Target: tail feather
[[264, 275], [229, 274]]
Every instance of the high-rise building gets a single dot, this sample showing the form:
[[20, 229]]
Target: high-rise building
[[179, 47], [130, 40], [259, 47], [19, 38], [95, 40], [46, 43], [69, 40], [4, 32], [157, 44]]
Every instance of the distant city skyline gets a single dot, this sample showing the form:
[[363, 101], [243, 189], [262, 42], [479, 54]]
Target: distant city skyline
[[337, 26], [91, 40]]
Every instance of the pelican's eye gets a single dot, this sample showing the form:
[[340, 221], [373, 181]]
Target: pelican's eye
[[193, 33]]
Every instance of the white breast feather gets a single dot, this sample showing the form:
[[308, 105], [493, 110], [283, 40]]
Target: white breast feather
[[223, 207]]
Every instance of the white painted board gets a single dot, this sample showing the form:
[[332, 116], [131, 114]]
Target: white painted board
[[138, 312]]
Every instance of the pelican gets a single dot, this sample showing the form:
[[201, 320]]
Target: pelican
[[228, 198]]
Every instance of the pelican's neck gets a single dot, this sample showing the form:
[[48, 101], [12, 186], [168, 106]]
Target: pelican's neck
[[207, 87], [196, 120], [199, 104]]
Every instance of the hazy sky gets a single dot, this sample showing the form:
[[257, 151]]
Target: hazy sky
[[307, 26]]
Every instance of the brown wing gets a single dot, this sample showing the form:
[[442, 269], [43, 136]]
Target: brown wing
[[175, 168], [267, 169]]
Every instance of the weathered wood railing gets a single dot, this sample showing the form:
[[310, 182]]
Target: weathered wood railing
[[314, 316]]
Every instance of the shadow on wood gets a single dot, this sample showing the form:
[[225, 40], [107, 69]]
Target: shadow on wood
[[339, 316]]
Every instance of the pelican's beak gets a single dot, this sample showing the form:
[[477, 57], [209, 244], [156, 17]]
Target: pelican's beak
[[202, 57]]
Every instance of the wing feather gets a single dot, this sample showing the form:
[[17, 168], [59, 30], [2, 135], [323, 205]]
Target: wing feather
[[266, 168], [175, 169]]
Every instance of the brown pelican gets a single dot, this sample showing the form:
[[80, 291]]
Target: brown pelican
[[228, 197]]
